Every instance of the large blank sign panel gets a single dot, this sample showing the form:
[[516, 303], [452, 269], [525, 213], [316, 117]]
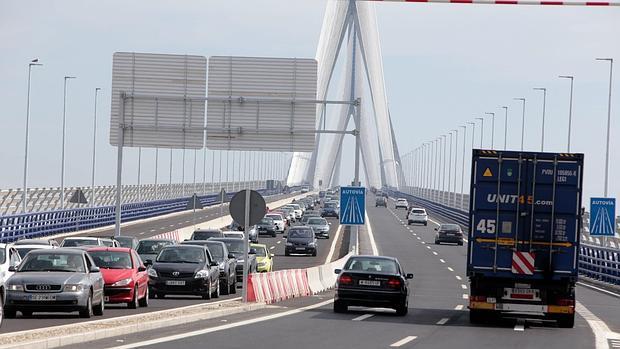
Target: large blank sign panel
[[164, 104], [261, 104]]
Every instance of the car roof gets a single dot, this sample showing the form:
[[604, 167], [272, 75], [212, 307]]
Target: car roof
[[208, 230], [62, 250], [48, 247], [375, 257], [225, 239], [170, 240], [186, 246], [81, 238], [110, 249], [32, 242]]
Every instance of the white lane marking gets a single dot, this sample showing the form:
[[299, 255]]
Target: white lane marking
[[277, 242], [152, 230], [171, 225], [459, 307], [601, 331], [443, 321], [441, 260], [272, 247], [463, 286], [423, 243], [332, 248], [428, 247], [520, 326], [403, 341], [435, 253], [418, 237], [458, 277], [599, 289], [221, 327], [450, 268], [465, 296], [141, 233], [363, 317], [373, 243]]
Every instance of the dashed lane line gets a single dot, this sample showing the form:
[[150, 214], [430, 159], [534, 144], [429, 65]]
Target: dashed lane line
[[403, 341], [450, 268], [463, 286], [435, 253], [465, 296], [441, 260], [458, 277], [443, 321], [363, 317], [459, 307]]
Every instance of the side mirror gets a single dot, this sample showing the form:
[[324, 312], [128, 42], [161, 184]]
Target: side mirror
[[148, 262], [337, 271], [252, 251], [141, 268], [12, 268], [213, 264], [94, 269], [409, 276], [230, 255]]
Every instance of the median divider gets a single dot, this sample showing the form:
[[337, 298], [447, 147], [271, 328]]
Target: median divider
[[280, 285]]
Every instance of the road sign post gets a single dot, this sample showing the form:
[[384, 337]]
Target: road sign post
[[603, 216]]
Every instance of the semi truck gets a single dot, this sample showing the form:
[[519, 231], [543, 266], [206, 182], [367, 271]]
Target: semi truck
[[524, 232]]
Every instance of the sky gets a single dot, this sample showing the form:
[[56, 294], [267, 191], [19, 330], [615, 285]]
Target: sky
[[444, 65]]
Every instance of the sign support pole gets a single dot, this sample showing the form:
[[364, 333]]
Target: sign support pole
[[246, 245], [119, 169]]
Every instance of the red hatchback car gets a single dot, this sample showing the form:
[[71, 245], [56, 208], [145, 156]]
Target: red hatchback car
[[125, 276]]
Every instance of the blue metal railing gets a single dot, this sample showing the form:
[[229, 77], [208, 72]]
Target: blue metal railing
[[48, 223], [595, 262]]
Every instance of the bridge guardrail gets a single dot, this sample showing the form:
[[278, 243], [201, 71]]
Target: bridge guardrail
[[595, 262], [41, 224]]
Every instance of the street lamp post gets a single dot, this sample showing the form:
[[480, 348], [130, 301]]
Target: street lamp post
[[492, 129], [64, 133], [139, 165], [92, 179], [505, 125], [481, 130], [443, 169], [542, 140], [611, 68], [570, 107], [449, 168], [32, 63], [522, 121], [156, 170], [463, 165]]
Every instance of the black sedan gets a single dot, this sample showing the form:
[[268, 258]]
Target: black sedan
[[372, 281], [330, 210], [184, 269], [267, 226], [449, 233]]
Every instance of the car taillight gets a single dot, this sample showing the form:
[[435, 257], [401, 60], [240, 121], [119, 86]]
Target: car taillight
[[394, 283], [345, 280], [478, 298], [566, 302]]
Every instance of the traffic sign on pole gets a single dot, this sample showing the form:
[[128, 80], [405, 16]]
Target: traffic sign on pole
[[602, 216], [352, 205]]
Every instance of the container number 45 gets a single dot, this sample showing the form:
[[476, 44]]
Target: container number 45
[[486, 226]]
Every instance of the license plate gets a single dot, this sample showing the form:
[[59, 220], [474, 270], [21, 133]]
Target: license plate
[[300, 248], [523, 293], [42, 297], [175, 283], [369, 283], [106, 299]]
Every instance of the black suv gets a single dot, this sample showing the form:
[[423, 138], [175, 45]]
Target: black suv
[[301, 239], [226, 260]]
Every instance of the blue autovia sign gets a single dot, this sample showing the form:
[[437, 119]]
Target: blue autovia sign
[[602, 216], [352, 205]]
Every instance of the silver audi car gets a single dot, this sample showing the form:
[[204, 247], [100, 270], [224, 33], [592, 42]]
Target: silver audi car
[[58, 280]]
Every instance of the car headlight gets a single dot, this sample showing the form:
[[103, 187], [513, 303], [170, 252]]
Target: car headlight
[[312, 244], [123, 282], [222, 266], [16, 287], [73, 287], [152, 272], [201, 274]]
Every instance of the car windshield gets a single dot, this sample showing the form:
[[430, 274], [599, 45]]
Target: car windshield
[[23, 251], [125, 241], [266, 221], [111, 260], [181, 255], [107, 243], [204, 235], [300, 233], [275, 217], [69, 262], [418, 211], [261, 251], [79, 242], [449, 227], [217, 251], [3, 255], [152, 247], [234, 246], [317, 221], [330, 205], [373, 265]]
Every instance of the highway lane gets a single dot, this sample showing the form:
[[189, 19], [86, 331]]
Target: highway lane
[[280, 262], [437, 317]]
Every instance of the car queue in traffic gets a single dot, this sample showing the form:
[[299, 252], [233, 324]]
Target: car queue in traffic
[[85, 274]]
